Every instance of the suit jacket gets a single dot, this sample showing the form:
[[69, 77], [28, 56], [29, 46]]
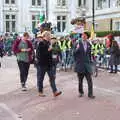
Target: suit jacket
[[82, 58]]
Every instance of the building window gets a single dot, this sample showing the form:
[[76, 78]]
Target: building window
[[79, 3], [61, 23], [117, 25], [6, 1], [10, 23], [61, 2], [39, 2], [96, 26], [84, 2], [36, 2], [102, 4], [9, 1], [117, 4], [35, 21], [12, 1], [114, 3]]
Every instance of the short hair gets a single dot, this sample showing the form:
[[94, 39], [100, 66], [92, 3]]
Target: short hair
[[26, 34], [88, 35]]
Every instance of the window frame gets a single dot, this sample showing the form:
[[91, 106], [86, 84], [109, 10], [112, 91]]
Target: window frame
[[36, 20], [61, 3], [10, 2], [79, 3], [36, 3], [61, 22], [10, 20], [117, 22]]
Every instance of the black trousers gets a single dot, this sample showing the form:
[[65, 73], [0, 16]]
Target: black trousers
[[116, 68], [89, 81], [24, 68]]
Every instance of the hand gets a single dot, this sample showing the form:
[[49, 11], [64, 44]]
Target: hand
[[23, 50], [49, 49], [29, 49], [78, 46]]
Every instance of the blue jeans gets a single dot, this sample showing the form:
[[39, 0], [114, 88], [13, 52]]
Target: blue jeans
[[41, 70]]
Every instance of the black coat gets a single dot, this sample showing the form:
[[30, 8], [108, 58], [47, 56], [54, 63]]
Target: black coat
[[1, 52], [83, 59], [114, 58], [44, 57]]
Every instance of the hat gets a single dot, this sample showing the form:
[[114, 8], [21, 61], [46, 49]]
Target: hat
[[39, 34]]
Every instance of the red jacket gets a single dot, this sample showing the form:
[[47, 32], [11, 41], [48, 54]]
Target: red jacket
[[17, 50]]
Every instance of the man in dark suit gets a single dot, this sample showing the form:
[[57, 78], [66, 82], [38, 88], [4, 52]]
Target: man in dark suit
[[82, 56]]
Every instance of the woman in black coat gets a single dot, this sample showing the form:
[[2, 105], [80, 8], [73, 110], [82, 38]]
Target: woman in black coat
[[114, 57], [1, 55]]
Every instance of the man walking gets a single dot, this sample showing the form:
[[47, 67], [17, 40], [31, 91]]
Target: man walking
[[82, 56], [45, 64]]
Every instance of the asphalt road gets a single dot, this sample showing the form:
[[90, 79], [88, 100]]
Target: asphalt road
[[18, 105]]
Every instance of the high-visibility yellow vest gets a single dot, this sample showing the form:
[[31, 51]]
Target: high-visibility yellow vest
[[95, 49], [62, 46], [69, 44], [102, 48]]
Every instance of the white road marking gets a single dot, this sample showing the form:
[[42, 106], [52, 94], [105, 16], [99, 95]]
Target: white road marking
[[10, 111]]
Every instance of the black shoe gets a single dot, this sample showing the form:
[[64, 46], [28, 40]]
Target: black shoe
[[81, 95], [115, 72], [91, 96], [111, 72]]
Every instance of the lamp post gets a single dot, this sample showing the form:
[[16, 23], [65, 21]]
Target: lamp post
[[46, 10], [109, 3], [93, 14]]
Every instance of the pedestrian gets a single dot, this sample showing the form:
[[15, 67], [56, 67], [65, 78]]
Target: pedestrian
[[24, 53], [55, 53], [45, 64], [8, 44], [114, 57], [1, 55], [82, 56], [2, 52]]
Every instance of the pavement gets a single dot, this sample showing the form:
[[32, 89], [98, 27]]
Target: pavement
[[18, 105]]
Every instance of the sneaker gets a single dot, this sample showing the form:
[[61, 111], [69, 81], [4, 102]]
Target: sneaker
[[81, 95], [57, 93], [91, 96], [24, 88], [41, 94]]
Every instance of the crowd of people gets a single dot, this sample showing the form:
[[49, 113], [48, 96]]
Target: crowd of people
[[49, 53]]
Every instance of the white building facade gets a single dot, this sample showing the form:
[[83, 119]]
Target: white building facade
[[23, 15], [107, 15]]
